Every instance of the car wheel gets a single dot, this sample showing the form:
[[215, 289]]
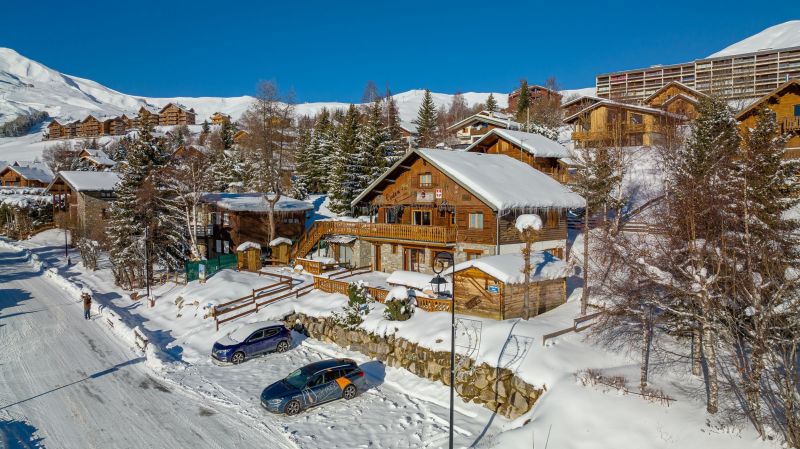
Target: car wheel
[[283, 346], [237, 358], [349, 392], [292, 408]]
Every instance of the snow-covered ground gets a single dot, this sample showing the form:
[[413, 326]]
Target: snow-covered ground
[[402, 410]]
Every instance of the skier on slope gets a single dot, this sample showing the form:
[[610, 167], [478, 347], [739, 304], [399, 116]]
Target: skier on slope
[[87, 304]]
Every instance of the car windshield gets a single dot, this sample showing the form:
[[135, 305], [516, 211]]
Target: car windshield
[[298, 378]]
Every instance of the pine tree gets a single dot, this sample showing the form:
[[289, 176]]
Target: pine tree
[[346, 171], [523, 102], [304, 163], [372, 145], [491, 103], [319, 153], [204, 132], [226, 132], [427, 122], [395, 146]]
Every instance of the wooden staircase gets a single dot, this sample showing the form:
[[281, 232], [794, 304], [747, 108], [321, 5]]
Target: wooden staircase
[[313, 235]]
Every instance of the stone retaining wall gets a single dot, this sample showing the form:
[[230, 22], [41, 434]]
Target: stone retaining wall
[[495, 388]]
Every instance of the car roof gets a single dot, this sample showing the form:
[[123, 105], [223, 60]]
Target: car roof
[[325, 364], [246, 330]]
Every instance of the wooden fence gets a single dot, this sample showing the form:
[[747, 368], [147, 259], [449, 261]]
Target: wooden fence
[[379, 294], [575, 327], [253, 302]]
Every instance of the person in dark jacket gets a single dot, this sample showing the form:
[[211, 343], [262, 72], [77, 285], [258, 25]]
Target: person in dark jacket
[[87, 305]]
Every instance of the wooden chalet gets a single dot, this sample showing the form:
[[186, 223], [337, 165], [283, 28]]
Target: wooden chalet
[[785, 103], [130, 122], [174, 114], [219, 118], [25, 175], [535, 150], [91, 126], [578, 104], [494, 286], [464, 203], [240, 136], [536, 92], [184, 151], [676, 98], [83, 198], [474, 127], [72, 129], [147, 116], [97, 158], [236, 218], [56, 130], [114, 126], [612, 123]]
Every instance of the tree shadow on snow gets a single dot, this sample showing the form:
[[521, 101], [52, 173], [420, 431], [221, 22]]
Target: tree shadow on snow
[[13, 297], [16, 434]]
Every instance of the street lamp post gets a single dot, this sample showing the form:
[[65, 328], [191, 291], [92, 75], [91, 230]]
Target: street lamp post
[[66, 245], [438, 267]]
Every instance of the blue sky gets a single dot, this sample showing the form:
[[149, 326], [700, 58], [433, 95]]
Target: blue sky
[[327, 51]]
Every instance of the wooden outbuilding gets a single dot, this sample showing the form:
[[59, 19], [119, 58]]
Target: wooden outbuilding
[[494, 286], [248, 256], [281, 250]]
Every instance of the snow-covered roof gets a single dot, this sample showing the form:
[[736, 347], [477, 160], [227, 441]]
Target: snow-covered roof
[[246, 330], [499, 181], [280, 241], [248, 245], [253, 202], [32, 172], [582, 98], [677, 84], [88, 181], [99, 157], [495, 118], [536, 144], [507, 268]]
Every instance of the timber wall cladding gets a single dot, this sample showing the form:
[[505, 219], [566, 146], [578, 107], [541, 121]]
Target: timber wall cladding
[[784, 108]]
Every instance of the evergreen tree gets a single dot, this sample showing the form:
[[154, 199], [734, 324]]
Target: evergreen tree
[[303, 164], [226, 132], [372, 146], [427, 122], [491, 103], [204, 131], [346, 171], [320, 154], [523, 102], [395, 146]]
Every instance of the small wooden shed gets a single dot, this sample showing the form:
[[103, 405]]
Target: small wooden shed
[[248, 256], [281, 248], [494, 286]]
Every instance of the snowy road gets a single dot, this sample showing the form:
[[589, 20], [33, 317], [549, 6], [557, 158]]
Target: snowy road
[[75, 386]]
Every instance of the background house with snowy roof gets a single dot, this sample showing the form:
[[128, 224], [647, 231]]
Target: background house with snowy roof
[[175, 114], [33, 174], [81, 199], [464, 203], [535, 150], [475, 126], [97, 158], [236, 218]]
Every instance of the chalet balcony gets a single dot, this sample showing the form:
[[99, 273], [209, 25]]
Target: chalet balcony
[[609, 132], [790, 125], [434, 234]]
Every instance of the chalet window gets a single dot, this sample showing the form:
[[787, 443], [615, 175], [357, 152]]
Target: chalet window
[[415, 257], [473, 254], [476, 220], [345, 254], [797, 110], [226, 247], [226, 219], [392, 215], [425, 180], [422, 217], [637, 119], [218, 246], [217, 218], [453, 219], [291, 221]]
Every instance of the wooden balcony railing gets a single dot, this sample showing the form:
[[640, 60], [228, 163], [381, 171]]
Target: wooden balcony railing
[[790, 124], [379, 294]]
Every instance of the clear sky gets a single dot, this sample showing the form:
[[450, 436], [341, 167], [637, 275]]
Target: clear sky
[[327, 51]]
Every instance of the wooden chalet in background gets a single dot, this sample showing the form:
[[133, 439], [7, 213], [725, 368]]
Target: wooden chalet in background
[[538, 151], [147, 116], [464, 203], [219, 118], [56, 130], [676, 98], [535, 91], [91, 126], [82, 198], [474, 127], [25, 175], [97, 158], [114, 126], [236, 218], [785, 103], [174, 114]]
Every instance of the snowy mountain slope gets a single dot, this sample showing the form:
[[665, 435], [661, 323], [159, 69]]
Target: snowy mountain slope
[[783, 35]]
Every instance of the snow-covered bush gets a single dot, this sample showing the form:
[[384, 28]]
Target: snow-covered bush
[[89, 249], [358, 305], [399, 306]]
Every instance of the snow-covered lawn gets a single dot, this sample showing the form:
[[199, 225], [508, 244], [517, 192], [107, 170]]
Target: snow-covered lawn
[[403, 410]]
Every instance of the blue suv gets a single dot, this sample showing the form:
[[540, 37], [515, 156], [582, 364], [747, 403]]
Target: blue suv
[[250, 340], [314, 384]]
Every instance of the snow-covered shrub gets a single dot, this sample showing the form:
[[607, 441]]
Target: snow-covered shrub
[[89, 249], [358, 306], [399, 306]]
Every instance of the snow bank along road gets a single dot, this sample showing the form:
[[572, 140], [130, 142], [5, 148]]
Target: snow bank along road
[[69, 384]]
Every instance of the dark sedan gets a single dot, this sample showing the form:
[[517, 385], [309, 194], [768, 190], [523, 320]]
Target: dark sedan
[[314, 384], [251, 340]]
